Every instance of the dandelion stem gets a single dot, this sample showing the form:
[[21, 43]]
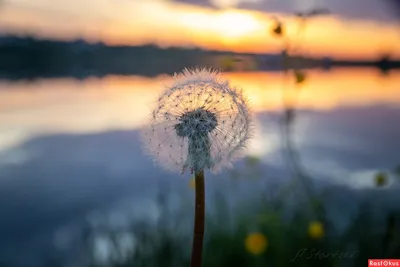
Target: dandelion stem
[[198, 230]]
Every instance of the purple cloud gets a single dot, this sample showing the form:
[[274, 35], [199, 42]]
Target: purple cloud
[[378, 10]]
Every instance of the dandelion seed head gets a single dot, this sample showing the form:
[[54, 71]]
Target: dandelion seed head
[[199, 122]]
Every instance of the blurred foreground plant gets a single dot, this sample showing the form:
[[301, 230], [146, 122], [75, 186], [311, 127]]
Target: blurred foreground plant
[[271, 239], [291, 48], [381, 179]]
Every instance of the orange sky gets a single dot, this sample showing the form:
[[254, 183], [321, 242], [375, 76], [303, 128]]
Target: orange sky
[[167, 23]]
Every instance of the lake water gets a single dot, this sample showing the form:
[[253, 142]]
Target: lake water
[[70, 147], [122, 102]]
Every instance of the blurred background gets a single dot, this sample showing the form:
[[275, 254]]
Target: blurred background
[[320, 182]]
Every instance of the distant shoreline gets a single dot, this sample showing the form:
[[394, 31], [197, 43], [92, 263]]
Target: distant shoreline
[[25, 58]]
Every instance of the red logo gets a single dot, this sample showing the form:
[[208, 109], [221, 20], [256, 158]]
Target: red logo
[[383, 262]]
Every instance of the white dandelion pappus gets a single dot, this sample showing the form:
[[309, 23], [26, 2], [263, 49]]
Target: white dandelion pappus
[[199, 122]]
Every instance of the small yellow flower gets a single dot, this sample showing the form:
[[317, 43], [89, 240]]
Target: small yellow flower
[[316, 230], [192, 183], [256, 243]]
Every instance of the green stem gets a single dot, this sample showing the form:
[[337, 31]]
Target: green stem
[[198, 231]]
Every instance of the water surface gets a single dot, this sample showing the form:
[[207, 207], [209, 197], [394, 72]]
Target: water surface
[[70, 148]]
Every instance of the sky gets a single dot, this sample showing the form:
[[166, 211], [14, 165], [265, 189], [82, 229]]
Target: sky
[[357, 29]]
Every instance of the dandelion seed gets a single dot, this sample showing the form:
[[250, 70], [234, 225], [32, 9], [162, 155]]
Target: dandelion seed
[[207, 129]]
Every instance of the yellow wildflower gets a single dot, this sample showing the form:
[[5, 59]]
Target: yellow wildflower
[[316, 230], [256, 243]]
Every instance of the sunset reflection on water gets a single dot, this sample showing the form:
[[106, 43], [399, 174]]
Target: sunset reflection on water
[[122, 102]]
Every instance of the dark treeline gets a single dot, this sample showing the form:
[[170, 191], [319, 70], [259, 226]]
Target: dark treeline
[[29, 58]]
